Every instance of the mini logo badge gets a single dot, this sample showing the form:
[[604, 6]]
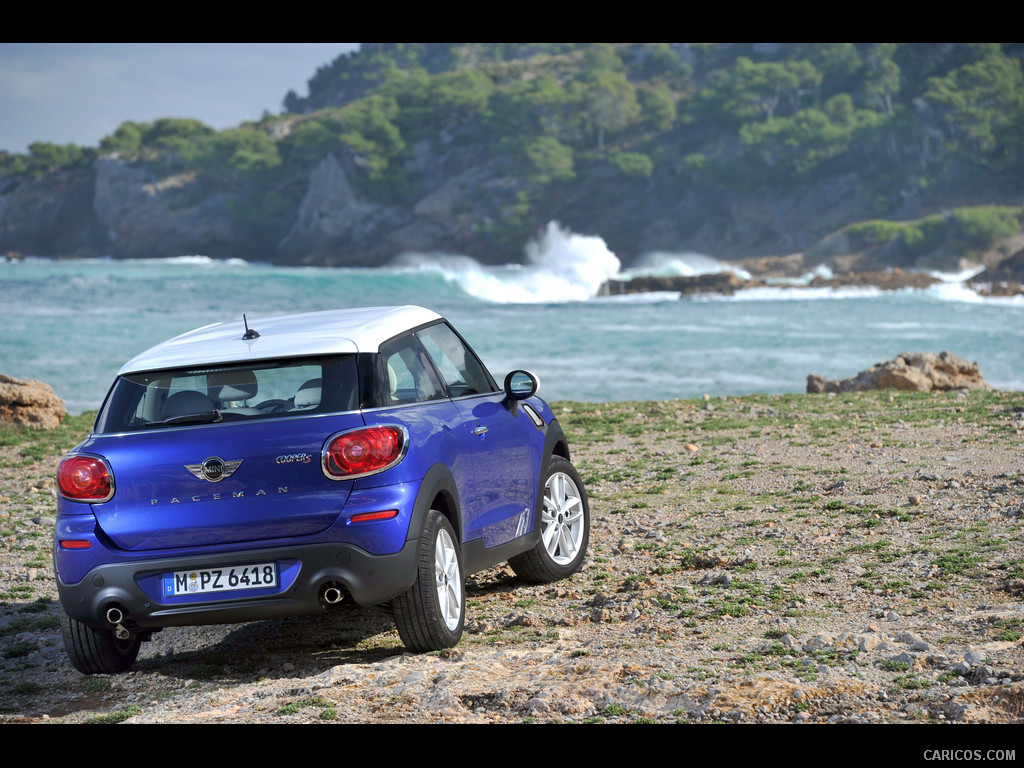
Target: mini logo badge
[[214, 469]]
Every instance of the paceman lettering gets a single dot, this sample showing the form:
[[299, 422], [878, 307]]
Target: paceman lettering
[[219, 496]]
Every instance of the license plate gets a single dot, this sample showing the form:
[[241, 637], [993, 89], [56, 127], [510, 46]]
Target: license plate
[[201, 581]]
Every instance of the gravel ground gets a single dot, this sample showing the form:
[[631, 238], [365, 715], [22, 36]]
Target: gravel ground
[[853, 559]]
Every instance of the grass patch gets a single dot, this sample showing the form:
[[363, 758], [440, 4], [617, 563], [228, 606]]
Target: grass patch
[[36, 445], [956, 561], [117, 716], [298, 706]]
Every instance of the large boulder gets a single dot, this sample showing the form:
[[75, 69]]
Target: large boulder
[[914, 371], [30, 403]]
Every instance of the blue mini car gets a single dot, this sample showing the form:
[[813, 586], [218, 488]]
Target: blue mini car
[[275, 467]]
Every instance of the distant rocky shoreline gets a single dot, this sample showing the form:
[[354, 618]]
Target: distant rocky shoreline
[[774, 272], [1005, 282]]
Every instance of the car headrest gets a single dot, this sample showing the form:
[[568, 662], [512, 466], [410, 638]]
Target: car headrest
[[308, 395], [185, 404], [229, 386]]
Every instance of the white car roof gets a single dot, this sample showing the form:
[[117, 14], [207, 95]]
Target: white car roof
[[339, 331]]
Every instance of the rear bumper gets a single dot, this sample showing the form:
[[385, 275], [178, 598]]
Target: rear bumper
[[304, 572]]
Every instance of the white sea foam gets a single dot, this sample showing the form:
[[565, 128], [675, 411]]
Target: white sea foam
[[664, 264], [643, 297], [201, 260], [783, 293], [561, 266], [958, 277]]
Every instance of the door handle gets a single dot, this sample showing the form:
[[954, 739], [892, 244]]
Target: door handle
[[480, 430]]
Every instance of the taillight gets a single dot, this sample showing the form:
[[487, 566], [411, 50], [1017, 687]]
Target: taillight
[[85, 478], [363, 451]]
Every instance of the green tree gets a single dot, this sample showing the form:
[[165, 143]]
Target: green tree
[[538, 105], [126, 139], [460, 95], [609, 103], [550, 159], [181, 140], [810, 137], [367, 129], [239, 153], [11, 164], [47, 157], [756, 89], [312, 139], [974, 103], [884, 78], [633, 163], [659, 106]]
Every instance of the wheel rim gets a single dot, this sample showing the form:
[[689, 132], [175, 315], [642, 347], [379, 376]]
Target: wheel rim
[[448, 580], [562, 522]]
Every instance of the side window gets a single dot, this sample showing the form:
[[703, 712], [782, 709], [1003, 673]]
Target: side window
[[461, 370], [409, 377]]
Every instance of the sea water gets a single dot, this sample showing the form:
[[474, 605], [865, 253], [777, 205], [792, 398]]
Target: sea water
[[73, 323]]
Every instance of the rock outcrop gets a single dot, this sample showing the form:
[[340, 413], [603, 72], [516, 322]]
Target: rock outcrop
[[725, 282], [141, 215], [1004, 279], [29, 403], [913, 371], [334, 221]]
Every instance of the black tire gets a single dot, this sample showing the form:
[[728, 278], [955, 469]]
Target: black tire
[[97, 652], [564, 525], [431, 613]]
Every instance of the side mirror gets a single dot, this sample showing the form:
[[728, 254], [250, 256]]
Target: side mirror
[[520, 385]]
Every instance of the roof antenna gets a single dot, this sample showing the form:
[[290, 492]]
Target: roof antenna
[[250, 334]]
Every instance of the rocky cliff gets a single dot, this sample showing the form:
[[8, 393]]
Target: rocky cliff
[[738, 151], [466, 201]]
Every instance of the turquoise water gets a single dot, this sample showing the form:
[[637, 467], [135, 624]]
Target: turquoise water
[[73, 323]]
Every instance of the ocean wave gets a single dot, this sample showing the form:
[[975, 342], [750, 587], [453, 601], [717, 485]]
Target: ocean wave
[[561, 267], [958, 277], [666, 264]]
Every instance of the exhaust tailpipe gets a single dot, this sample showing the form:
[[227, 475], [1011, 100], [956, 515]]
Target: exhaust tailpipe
[[332, 594], [116, 616]]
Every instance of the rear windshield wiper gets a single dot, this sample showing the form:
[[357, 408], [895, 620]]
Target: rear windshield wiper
[[204, 417]]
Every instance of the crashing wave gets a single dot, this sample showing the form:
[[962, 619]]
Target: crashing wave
[[562, 266]]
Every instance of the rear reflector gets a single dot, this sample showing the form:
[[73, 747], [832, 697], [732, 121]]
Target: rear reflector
[[75, 544], [364, 517]]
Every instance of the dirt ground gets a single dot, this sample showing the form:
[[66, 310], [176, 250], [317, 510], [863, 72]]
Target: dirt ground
[[769, 559]]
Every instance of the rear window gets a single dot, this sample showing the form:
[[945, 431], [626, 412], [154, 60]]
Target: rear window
[[237, 392]]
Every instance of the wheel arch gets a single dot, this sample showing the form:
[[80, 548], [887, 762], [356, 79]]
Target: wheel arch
[[555, 441], [555, 444], [437, 491]]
